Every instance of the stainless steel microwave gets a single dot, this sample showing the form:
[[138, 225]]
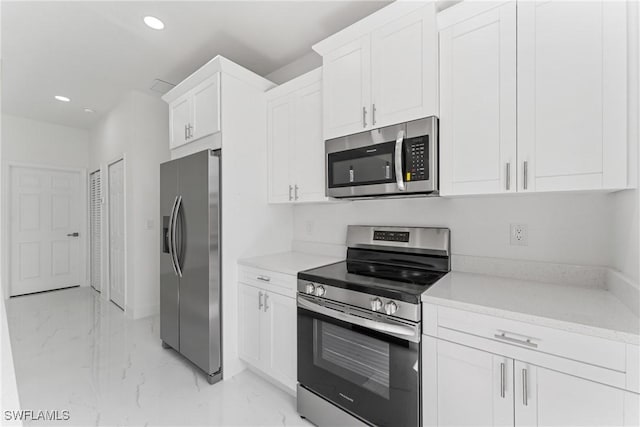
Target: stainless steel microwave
[[392, 161]]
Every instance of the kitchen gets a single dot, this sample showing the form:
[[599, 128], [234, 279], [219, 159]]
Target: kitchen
[[432, 219]]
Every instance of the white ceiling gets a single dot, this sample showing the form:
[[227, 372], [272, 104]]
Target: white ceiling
[[95, 52]]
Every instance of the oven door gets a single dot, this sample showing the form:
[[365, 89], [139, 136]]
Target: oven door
[[370, 368]]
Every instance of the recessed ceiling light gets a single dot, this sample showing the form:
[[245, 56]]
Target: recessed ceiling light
[[89, 110], [153, 22], [62, 98]]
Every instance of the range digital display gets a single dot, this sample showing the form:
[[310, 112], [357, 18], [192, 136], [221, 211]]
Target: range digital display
[[391, 236]]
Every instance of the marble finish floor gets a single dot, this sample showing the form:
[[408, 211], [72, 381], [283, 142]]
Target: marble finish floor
[[75, 351]]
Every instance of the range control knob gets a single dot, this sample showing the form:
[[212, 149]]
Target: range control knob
[[309, 288], [376, 304], [390, 307], [320, 291]]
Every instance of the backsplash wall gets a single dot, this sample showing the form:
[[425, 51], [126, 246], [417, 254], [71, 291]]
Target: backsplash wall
[[562, 228]]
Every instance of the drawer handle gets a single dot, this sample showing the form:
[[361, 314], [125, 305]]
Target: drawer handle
[[526, 342], [264, 278]]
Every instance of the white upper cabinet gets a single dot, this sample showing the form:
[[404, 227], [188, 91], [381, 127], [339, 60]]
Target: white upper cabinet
[[404, 69], [347, 80], [294, 140], [380, 71], [478, 101], [195, 114], [572, 95], [547, 112], [206, 108], [180, 115]]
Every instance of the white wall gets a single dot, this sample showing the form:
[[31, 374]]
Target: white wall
[[138, 130], [34, 142], [563, 228]]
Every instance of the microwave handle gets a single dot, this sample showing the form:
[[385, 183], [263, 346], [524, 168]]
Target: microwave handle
[[398, 161]]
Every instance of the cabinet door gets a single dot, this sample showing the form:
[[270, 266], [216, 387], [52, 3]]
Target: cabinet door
[[465, 387], [478, 103], [281, 317], [404, 68], [180, 112], [280, 134], [250, 303], [548, 398], [206, 108], [347, 89], [572, 95], [309, 165]]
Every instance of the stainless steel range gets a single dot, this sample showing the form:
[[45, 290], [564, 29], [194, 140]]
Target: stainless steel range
[[359, 327]]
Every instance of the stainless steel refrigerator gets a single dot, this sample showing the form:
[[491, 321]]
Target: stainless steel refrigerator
[[190, 276]]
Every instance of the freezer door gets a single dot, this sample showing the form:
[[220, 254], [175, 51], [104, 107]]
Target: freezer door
[[199, 259], [169, 314]]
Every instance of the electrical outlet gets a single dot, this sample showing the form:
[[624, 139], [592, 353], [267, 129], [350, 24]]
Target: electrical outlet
[[309, 226], [519, 235]]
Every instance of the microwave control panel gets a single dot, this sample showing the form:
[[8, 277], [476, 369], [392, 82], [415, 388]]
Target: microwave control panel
[[416, 159]]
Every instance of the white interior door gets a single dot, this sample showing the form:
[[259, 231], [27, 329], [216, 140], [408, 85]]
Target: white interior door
[[116, 233], [45, 213], [95, 229]]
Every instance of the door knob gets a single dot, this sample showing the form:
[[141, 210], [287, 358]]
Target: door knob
[[76, 234]]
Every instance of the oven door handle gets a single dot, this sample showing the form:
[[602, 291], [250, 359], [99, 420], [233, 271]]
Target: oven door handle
[[398, 160], [405, 332]]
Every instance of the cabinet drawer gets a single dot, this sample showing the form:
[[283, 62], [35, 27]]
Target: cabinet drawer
[[284, 284], [582, 348]]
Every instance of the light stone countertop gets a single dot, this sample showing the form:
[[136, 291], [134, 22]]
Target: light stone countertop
[[288, 262], [589, 311]]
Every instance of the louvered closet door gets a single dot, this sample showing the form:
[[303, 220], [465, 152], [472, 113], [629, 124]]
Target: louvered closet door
[[95, 213]]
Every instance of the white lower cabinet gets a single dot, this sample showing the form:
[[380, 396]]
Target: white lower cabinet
[[267, 333], [464, 386], [544, 397]]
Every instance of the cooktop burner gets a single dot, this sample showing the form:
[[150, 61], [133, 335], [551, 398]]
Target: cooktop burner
[[389, 281]]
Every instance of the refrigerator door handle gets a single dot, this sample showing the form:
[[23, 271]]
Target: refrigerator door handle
[[176, 261], [171, 235]]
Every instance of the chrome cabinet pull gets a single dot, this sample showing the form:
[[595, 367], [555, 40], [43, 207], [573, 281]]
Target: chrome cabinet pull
[[185, 133], [525, 181], [364, 117], [526, 342], [525, 398], [264, 278], [266, 302], [260, 304], [296, 192], [502, 384], [290, 190], [508, 176], [190, 131], [373, 114], [398, 160]]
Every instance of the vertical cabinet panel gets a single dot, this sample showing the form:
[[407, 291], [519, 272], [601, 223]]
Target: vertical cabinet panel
[[249, 340], [347, 86], [548, 398], [472, 387], [280, 142], [572, 95], [206, 108], [180, 112], [404, 72], [282, 317], [478, 103], [309, 145]]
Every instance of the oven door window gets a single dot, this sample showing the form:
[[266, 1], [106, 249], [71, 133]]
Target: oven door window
[[373, 164], [372, 375], [357, 358]]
